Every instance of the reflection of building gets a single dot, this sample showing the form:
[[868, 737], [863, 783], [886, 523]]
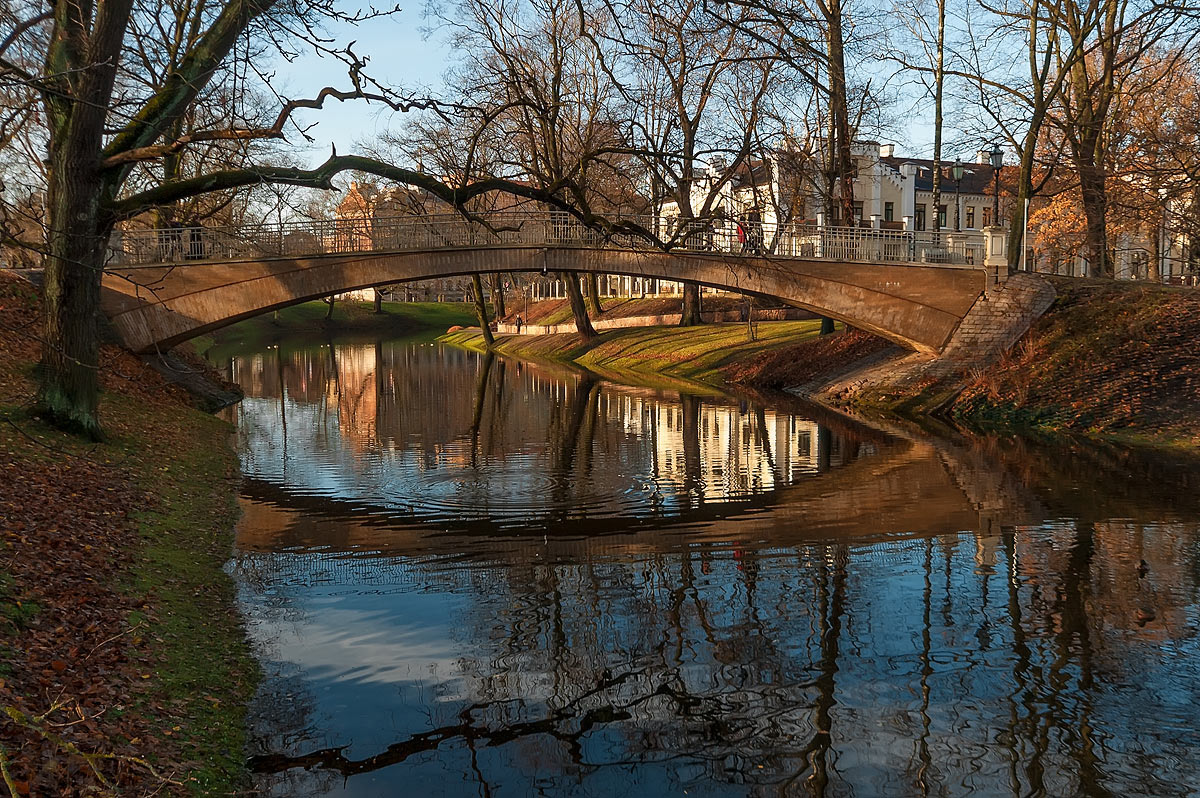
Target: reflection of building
[[353, 393], [738, 451]]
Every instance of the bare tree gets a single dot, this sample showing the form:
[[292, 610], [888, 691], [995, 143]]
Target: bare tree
[[100, 128]]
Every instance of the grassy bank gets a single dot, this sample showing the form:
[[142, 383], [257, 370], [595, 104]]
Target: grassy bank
[[558, 311], [307, 322], [1112, 360], [691, 354], [1118, 360], [123, 664]]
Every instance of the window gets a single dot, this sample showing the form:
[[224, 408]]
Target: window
[[987, 216], [970, 217], [941, 216], [920, 216], [858, 211], [889, 211]]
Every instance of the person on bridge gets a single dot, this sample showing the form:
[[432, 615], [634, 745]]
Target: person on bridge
[[741, 234], [754, 236]]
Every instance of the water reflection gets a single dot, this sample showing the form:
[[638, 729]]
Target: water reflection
[[451, 436], [712, 597]]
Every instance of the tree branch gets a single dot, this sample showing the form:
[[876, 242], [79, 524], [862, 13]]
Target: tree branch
[[275, 131], [322, 177]]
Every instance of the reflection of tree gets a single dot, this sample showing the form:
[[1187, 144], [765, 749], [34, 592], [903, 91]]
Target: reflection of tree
[[693, 481], [481, 386]]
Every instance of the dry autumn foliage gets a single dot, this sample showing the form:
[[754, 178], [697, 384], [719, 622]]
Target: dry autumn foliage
[[80, 709]]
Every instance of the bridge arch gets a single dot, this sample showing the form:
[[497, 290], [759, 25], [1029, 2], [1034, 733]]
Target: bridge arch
[[157, 306]]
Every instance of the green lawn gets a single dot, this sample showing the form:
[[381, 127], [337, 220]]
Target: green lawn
[[308, 320], [684, 353]]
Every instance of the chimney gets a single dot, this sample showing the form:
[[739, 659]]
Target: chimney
[[887, 150], [908, 169], [983, 157]]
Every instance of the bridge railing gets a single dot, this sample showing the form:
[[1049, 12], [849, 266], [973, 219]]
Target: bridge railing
[[413, 233]]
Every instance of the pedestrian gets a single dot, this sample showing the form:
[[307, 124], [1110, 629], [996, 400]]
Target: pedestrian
[[741, 234], [754, 236], [520, 321]]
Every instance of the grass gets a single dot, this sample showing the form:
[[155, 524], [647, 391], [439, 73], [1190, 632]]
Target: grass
[[207, 672], [307, 322], [694, 354], [201, 669], [15, 614], [149, 626], [1113, 360]]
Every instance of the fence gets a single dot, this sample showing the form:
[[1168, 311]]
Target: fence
[[544, 229]]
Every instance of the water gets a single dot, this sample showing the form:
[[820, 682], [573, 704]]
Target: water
[[477, 576]]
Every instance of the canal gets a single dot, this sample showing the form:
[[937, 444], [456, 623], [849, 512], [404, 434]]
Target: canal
[[470, 575]]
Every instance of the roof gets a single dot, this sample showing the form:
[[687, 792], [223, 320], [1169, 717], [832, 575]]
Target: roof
[[977, 178]]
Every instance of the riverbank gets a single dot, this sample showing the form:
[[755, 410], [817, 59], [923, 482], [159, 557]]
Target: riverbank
[[307, 322], [552, 312], [1119, 360], [1113, 360], [123, 663], [691, 354]]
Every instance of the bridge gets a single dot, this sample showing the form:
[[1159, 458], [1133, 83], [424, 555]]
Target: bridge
[[165, 286]]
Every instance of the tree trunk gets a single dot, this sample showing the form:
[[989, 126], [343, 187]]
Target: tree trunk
[[498, 295], [578, 308], [68, 392], [842, 170], [939, 81], [1095, 210], [1016, 230], [592, 282], [691, 306], [378, 301], [329, 313], [481, 311], [826, 325], [81, 64]]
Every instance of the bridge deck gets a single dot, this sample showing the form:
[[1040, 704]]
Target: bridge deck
[[165, 286], [632, 233]]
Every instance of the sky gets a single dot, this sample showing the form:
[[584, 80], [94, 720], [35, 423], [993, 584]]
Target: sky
[[403, 53]]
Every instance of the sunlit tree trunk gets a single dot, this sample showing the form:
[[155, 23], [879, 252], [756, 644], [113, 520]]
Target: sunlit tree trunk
[[481, 310], [592, 281], [498, 295], [578, 308], [690, 314], [939, 81]]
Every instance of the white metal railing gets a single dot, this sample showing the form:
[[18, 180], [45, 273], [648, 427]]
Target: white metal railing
[[413, 233]]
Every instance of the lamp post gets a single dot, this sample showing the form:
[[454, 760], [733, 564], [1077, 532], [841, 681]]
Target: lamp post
[[997, 162], [957, 172]]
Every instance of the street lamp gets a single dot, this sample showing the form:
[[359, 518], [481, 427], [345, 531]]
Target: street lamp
[[957, 172], [997, 162]]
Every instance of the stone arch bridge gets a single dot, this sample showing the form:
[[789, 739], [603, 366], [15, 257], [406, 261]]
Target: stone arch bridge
[[163, 287]]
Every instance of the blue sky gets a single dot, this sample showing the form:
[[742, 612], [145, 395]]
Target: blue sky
[[404, 54], [401, 55]]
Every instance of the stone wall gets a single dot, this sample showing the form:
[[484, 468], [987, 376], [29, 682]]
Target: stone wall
[[991, 326], [994, 323]]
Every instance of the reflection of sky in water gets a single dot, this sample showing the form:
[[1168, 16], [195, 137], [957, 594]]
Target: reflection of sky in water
[[928, 617]]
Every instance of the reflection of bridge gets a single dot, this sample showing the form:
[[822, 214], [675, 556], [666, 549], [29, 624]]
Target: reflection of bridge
[[165, 286]]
